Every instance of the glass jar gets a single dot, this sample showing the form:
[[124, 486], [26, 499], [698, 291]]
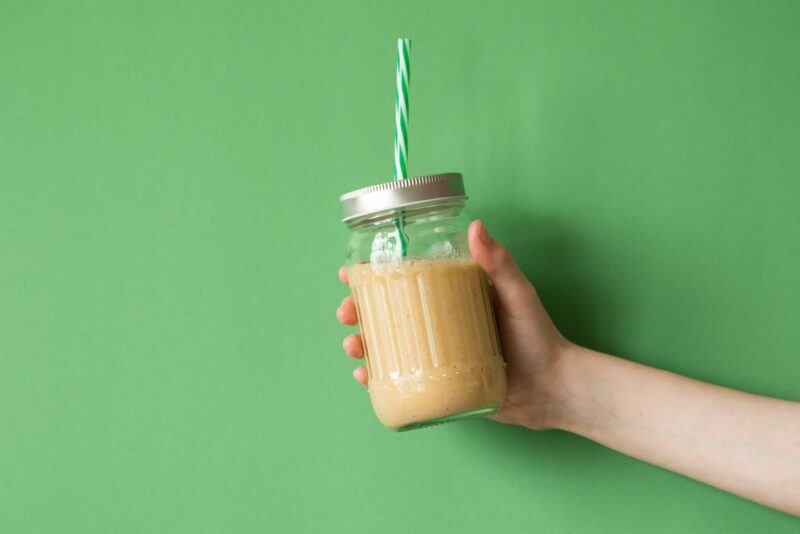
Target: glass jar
[[424, 310]]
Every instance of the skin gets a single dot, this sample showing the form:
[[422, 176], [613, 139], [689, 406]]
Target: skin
[[742, 443]]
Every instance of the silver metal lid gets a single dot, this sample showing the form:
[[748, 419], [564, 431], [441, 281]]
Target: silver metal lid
[[401, 194]]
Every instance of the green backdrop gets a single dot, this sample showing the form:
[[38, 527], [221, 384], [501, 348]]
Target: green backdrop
[[169, 238]]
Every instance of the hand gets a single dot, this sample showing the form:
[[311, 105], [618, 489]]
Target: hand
[[532, 346]]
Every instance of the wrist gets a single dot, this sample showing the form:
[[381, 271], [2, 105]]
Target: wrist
[[557, 391]]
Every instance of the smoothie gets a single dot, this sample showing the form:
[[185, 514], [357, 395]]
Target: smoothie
[[430, 338]]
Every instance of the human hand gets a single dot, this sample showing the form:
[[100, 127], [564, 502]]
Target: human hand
[[532, 346]]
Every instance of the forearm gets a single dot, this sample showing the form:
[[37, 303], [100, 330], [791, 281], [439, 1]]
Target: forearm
[[742, 443]]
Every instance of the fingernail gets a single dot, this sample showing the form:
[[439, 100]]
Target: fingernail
[[485, 237]]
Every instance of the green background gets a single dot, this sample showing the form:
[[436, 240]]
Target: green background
[[169, 238]]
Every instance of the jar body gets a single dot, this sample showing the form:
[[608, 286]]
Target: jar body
[[426, 319]]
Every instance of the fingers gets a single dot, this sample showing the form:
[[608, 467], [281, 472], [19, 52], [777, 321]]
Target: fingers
[[346, 312], [514, 291], [360, 374], [353, 346]]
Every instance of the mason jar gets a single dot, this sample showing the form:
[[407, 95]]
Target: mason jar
[[424, 308]]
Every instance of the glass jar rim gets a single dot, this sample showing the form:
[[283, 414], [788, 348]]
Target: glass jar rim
[[407, 212]]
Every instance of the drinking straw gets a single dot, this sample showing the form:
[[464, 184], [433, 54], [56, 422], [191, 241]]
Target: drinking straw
[[401, 110], [401, 123]]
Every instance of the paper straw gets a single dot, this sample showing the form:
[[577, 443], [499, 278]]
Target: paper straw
[[403, 82], [401, 109]]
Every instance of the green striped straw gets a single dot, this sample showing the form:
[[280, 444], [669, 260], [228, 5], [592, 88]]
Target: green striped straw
[[401, 123], [401, 110]]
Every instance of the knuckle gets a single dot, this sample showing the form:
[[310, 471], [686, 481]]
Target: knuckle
[[503, 257]]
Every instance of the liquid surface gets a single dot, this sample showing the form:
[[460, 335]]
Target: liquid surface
[[430, 339]]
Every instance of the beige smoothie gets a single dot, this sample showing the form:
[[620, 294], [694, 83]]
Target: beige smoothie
[[430, 339]]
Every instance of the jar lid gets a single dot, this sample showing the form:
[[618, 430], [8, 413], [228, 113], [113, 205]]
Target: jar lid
[[401, 194]]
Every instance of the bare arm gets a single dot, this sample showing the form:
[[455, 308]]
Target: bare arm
[[742, 443]]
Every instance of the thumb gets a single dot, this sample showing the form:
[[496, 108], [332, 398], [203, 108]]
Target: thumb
[[514, 292]]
